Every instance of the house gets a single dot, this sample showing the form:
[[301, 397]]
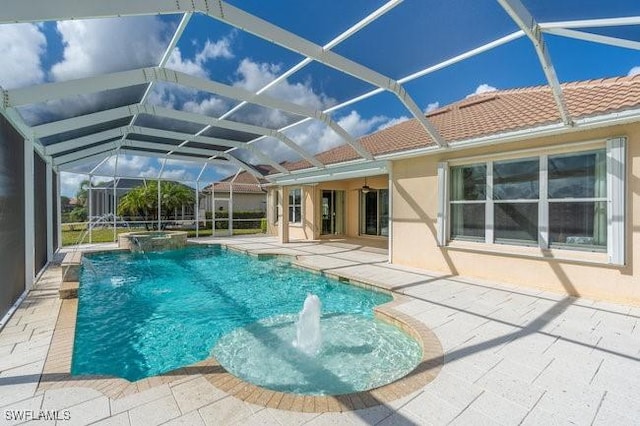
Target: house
[[249, 193], [512, 194]]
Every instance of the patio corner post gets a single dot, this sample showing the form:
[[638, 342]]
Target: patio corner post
[[115, 200], [283, 215], [231, 209], [159, 205], [51, 206], [90, 213], [391, 213], [197, 212], [213, 209]]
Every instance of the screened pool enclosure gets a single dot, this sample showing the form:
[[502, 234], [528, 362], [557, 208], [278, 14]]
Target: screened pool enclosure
[[196, 91]]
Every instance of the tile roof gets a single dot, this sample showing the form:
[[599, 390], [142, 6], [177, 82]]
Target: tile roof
[[244, 182], [493, 113]]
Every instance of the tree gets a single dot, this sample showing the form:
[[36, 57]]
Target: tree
[[65, 204], [83, 193], [78, 214], [143, 200], [174, 196]]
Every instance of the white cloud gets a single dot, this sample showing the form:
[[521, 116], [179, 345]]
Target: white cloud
[[253, 76], [136, 166], [179, 97], [212, 106], [483, 88], [432, 107], [393, 122], [316, 137], [634, 71], [20, 49], [214, 50], [178, 63], [70, 183], [99, 46], [196, 66]]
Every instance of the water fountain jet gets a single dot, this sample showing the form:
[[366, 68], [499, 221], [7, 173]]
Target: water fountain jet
[[308, 336]]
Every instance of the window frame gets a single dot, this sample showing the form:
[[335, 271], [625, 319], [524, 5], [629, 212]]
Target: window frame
[[615, 152], [293, 205], [379, 209], [275, 211]]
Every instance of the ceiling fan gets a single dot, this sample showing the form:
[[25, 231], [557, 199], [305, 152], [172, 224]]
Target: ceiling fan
[[365, 188]]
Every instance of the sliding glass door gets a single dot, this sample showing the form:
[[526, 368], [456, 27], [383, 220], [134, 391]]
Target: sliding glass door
[[332, 212], [374, 212]]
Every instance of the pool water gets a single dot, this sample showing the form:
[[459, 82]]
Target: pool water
[[141, 315], [357, 354]]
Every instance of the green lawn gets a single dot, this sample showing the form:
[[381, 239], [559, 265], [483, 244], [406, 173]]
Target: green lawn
[[105, 235]]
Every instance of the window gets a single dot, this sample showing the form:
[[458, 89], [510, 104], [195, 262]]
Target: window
[[578, 200], [468, 199], [570, 200], [295, 205], [515, 196], [374, 212]]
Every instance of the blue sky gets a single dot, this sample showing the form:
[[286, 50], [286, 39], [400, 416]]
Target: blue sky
[[411, 37]]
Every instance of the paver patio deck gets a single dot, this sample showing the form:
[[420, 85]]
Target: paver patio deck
[[512, 356]]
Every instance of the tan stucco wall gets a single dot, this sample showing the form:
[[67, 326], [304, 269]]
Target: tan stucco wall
[[242, 202], [312, 195], [272, 212], [414, 231], [305, 229], [352, 201]]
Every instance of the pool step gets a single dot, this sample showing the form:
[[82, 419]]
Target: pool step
[[71, 265], [69, 290]]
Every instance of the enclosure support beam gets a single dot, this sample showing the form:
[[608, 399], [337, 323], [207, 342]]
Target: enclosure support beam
[[83, 86], [90, 209], [596, 38], [197, 213], [115, 198], [231, 203], [164, 163], [306, 61], [528, 24], [163, 61], [204, 220], [390, 224], [99, 165], [50, 209], [213, 209], [59, 207]]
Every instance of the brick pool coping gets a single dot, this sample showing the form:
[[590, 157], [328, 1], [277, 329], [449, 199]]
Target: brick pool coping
[[57, 368]]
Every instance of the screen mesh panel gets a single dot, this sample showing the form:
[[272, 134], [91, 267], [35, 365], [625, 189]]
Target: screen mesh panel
[[40, 212], [12, 220]]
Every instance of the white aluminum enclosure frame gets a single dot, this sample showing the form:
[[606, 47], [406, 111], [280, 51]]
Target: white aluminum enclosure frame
[[236, 17], [65, 155]]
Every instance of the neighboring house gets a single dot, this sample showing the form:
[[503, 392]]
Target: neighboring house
[[249, 193], [102, 197], [513, 195]]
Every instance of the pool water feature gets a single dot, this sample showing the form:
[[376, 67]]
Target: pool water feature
[[357, 353], [140, 316], [308, 334]]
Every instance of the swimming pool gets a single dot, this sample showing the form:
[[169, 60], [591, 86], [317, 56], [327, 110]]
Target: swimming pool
[[142, 315]]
